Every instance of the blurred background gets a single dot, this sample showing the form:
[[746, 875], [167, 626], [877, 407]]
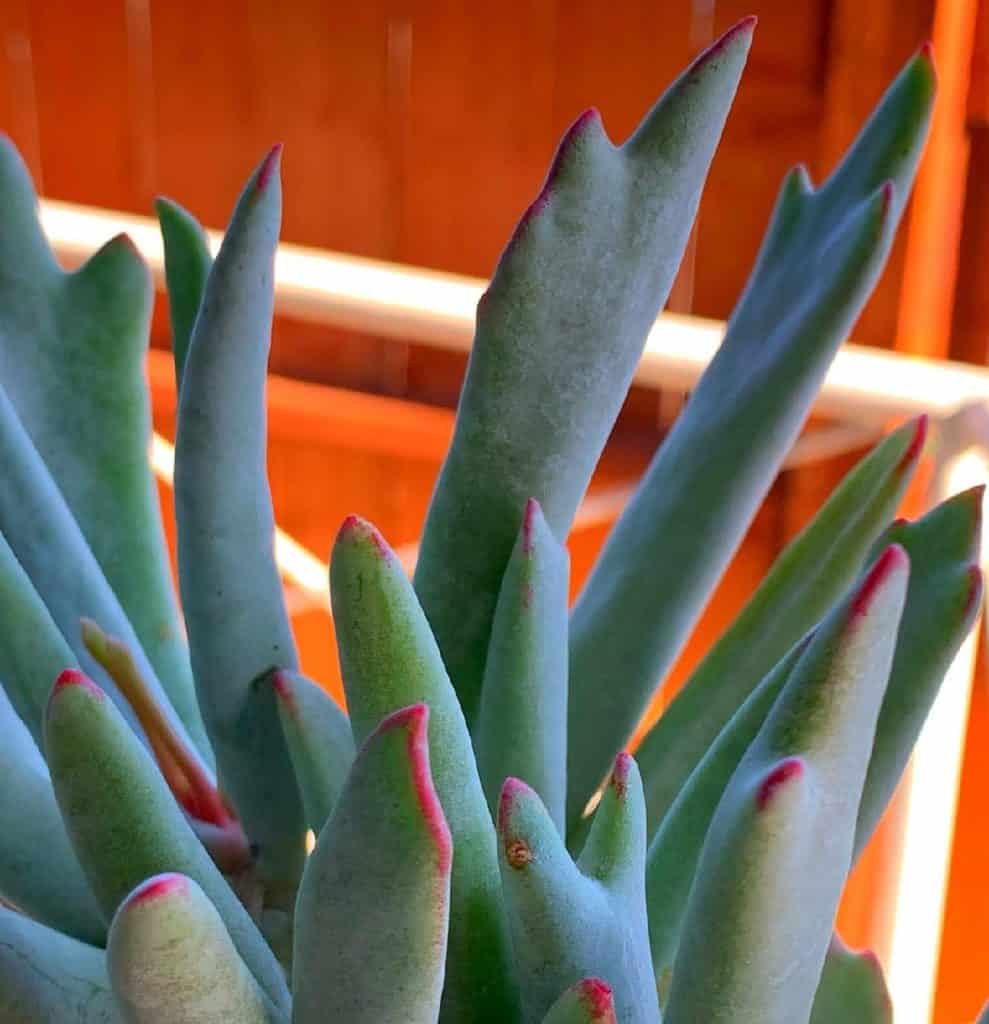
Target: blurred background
[[416, 133]]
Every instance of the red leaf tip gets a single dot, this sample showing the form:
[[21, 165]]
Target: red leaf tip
[[511, 790], [893, 560], [745, 27], [75, 677], [786, 771], [619, 774], [354, 528], [415, 720], [597, 997], [269, 166], [157, 887], [916, 445], [532, 510]]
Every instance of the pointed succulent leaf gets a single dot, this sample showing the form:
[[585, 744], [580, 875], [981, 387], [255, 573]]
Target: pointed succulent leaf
[[811, 574], [389, 660], [46, 976], [383, 859], [774, 862], [39, 872], [91, 423], [521, 729], [170, 958], [46, 541], [231, 590], [819, 262], [33, 651], [675, 848], [187, 265], [320, 743], [125, 825], [590, 1001], [559, 333], [571, 921], [942, 603], [852, 989]]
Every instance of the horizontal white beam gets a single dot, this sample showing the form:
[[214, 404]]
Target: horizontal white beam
[[865, 386]]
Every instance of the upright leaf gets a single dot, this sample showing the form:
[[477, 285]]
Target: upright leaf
[[559, 333], [72, 351], [383, 860], [124, 823], [389, 660], [171, 959], [852, 989], [232, 596], [779, 848], [819, 262], [808, 577], [521, 728]]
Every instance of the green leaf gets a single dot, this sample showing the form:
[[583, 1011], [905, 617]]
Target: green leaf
[[187, 266], [171, 959], [72, 361], [39, 872], [521, 728], [819, 262], [319, 741], [852, 989], [808, 577], [389, 660], [775, 859], [123, 822], [942, 603], [232, 595], [588, 1002], [46, 977], [383, 861], [671, 862], [559, 333], [579, 920], [45, 541]]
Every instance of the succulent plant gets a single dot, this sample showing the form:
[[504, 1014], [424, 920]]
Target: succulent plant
[[487, 851]]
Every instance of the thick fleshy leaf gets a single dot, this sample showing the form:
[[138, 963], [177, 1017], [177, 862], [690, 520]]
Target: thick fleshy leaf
[[559, 333], [72, 350], [320, 743], [373, 911], [774, 862], [942, 602], [811, 574], [46, 542], [571, 921], [187, 265], [170, 958], [588, 1002], [939, 609], [389, 660], [39, 872], [852, 989], [125, 825], [521, 729], [819, 262], [231, 590], [675, 848], [46, 977], [33, 651]]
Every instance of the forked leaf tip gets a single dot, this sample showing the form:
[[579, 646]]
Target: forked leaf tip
[[779, 776]]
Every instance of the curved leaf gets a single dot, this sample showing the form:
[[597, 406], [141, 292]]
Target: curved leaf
[[383, 860]]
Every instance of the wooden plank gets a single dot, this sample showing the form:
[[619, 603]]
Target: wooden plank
[[18, 101]]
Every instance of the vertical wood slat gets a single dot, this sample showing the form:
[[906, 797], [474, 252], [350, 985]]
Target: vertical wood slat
[[18, 101]]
